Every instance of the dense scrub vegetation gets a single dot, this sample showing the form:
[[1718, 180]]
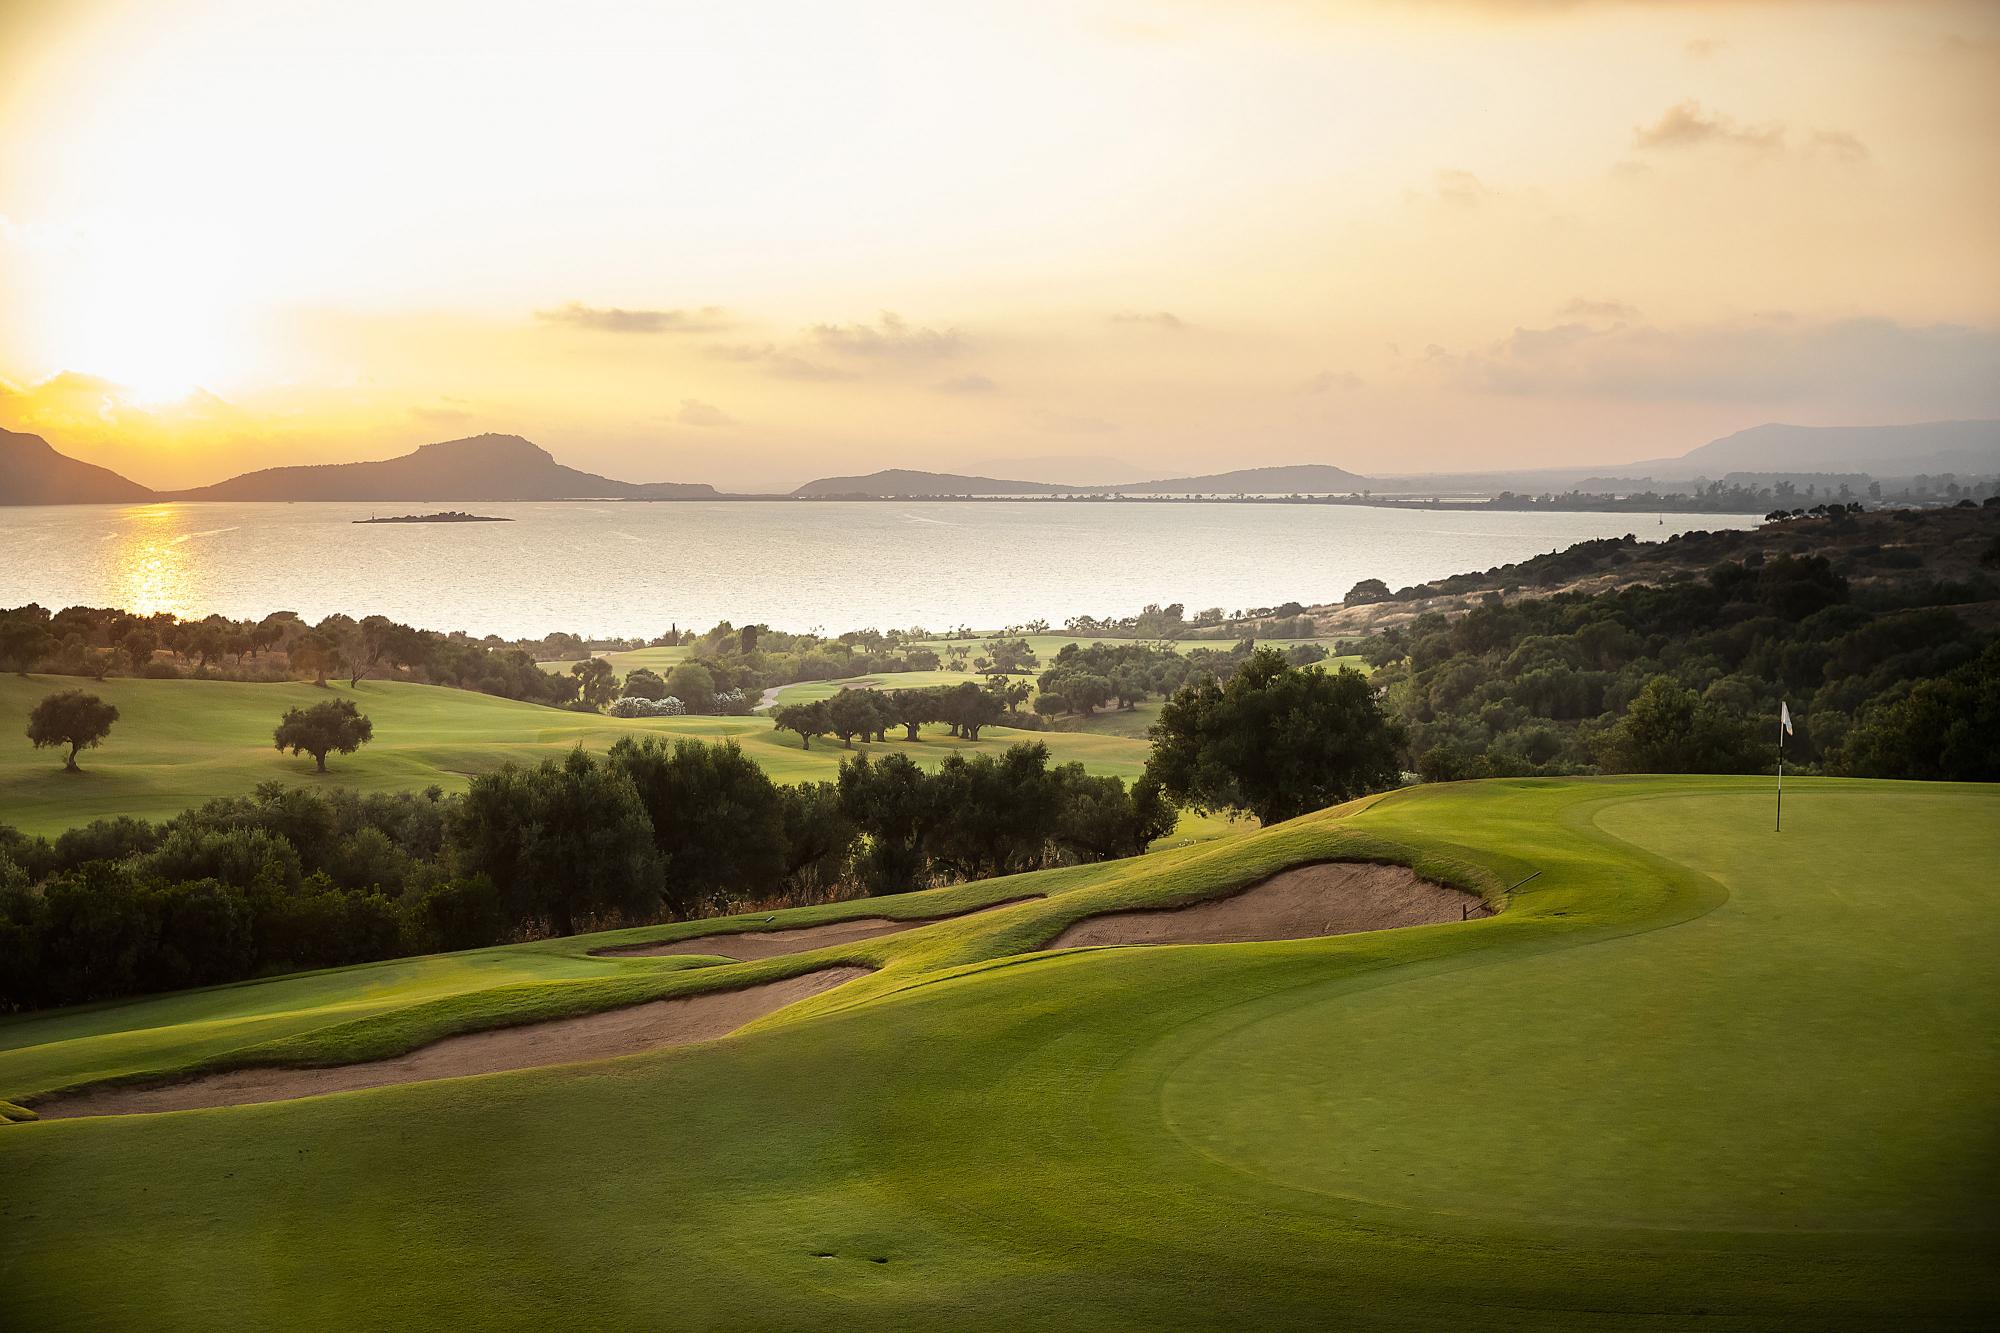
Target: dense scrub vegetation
[[288, 878], [1688, 676]]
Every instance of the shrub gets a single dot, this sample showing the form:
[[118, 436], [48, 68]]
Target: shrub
[[640, 706]]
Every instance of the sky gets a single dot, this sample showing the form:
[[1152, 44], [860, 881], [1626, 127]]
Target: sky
[[755, 243]]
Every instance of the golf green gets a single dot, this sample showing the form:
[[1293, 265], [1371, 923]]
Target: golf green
[[1696, 1073]]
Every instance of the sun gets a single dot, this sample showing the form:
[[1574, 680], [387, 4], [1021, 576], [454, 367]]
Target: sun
[[145, 310]]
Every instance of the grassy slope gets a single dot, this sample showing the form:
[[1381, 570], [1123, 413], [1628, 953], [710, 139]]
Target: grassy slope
[[180, 742], [1699, 1072], [659, 660], [805, 691], [1046, 646]]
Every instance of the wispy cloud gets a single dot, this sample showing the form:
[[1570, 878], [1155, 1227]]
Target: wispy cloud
[[1328, 380], [1159, 319], [613, 319], [779, 362], [1686, 125], [1581, 307], [890, 337], [694, 412], [966, 384], [1458, 191]]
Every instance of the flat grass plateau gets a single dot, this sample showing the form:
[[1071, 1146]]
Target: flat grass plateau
[[1695, 1072], [179, 742]]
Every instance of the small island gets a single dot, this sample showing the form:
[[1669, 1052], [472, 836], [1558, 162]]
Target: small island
[[448, 516]]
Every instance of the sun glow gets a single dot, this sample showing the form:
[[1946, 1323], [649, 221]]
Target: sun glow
[[142, 310]]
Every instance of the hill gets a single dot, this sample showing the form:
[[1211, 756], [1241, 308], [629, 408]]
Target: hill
[[902, 483], [987, 1133], [483, 467], [1302, 479], [33, 473], [1965, 447]]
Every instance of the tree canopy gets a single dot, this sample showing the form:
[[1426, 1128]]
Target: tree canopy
[[71, 717], [1275, 740], [335, 726]]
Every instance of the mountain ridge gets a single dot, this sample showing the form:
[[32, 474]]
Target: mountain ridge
[[478, 467], [499, 467], [32, 472]]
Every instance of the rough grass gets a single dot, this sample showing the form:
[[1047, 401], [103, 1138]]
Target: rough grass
[[1697, 1073], [179, 742]]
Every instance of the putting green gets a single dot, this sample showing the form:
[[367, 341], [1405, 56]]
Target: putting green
[[180, 742], [1697, 1073]]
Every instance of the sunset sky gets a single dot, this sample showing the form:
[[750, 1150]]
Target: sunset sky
[[754, 243]]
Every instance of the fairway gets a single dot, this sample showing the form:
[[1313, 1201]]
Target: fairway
[[179, 742], [1695, 1073]]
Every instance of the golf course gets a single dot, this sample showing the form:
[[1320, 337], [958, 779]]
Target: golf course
[[1688, 1072], [179, 742]]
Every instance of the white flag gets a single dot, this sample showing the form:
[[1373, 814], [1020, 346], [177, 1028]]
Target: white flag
[[1784, 717]]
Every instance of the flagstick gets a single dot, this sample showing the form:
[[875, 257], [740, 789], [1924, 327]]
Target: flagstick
[[1781, 787]]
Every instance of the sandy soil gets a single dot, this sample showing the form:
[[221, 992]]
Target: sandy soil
[[628, 1031], [754, 944], [1337, 898]]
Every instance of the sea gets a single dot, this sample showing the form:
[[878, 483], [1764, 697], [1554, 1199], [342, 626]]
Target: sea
[[632, 570]]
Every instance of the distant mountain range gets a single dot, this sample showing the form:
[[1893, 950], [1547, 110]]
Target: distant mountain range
[[903, 484], [507, 467], [1881, 451], [484, 467]]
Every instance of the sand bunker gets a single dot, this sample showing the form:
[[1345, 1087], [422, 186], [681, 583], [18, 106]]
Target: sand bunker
[[746, 946], [628, 1031], [1338, 898]]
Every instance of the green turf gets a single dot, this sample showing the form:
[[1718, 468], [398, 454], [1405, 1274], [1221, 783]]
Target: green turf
[[658, 660], [1698, 1074], [805, 691], [178, 742]]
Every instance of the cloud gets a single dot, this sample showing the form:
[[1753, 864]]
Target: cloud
[[1686, 125], [1935, 370], [611, 319], [779, 362], [816, 355], [966, 384], [1059, 423], [694, 412], [1701, 48], [1344, 380], [1580, 307], [1839, 144], [890, 337], [1159, 319], [1458, 190], [441, 416]]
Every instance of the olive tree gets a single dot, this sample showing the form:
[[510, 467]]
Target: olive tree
[[335, 726], [72, 718]]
